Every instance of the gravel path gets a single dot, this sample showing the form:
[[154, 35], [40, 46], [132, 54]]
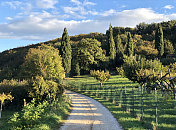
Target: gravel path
[[88, 114]]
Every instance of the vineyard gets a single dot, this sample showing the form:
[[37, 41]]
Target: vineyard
[[134, 106]]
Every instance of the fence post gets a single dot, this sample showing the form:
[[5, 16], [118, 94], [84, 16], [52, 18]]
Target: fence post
[[121, 95], [142, 109], [125, 103], [156, 108], [132, 101]]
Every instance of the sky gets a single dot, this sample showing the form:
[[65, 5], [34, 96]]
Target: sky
[[24, 22]]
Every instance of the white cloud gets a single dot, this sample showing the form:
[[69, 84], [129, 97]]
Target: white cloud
[[109, 12], [45, 26], [168, 6], [88, 3], [9, 18], [12, 4], [81, 9], [77, 2], [46, 4]]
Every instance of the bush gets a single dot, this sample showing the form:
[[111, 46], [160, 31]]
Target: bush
[[40, 116], [29, 116], [18, 89], [120, 71], [42, 89], [100, 76], [134, 64], [167, 61]]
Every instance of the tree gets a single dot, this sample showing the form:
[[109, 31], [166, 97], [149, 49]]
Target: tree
[[168, 48], [42, 89], [112, 49], [43, 61], [159, 43], [119, 50], [130, 45], [147, 51], [4, 97], [66, 51], [89, 54], [100, 76], [75, 71]]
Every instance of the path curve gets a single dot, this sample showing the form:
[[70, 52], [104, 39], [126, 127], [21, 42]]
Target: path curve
[[88, 114]]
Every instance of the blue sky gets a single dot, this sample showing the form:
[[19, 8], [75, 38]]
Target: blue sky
[[24, 22]]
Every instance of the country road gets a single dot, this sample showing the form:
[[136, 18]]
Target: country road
[[88, 114]]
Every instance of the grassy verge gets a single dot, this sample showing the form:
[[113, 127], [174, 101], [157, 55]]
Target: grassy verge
[[51, 119], [54, 118], [6, 114], [133, 108]]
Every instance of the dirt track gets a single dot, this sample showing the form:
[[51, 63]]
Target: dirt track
[[88, 114]]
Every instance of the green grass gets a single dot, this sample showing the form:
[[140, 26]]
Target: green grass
[[50, 120], [6, 114], [54, 119], [128, 105]]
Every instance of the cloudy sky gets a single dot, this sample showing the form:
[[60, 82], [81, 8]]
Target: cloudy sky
[[24, 22]]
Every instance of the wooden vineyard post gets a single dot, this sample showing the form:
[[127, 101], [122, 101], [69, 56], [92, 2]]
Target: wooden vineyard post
[[111, 90], [156, 108], [142, 109], [125, 103], [121, 95], [132, 101]]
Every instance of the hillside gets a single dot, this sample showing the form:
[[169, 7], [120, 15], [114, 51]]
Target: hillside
[[143, 36]]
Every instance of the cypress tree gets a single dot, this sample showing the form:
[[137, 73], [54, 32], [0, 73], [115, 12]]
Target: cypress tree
[[130, 46], [66, 51], [159, 42], [112, 50], [119, 50]]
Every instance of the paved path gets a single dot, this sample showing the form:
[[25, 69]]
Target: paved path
[[88, 114]]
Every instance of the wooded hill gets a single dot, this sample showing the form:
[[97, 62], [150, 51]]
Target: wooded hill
[[143, 37]]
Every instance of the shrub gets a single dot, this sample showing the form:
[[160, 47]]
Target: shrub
[[120, 71], [29, 116], [167, 61], [18, 89], [134, 64], [42, 89], [100, 76]]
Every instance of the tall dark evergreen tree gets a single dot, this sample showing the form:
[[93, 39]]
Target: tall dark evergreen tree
[[159, 42], [130, 45], [112, 49], [119, 51], [66, 51]]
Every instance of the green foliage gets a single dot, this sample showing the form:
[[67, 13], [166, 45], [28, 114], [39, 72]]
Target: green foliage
[[100, 76], [133, 64], [43, 61], [66, 51], [44, 115], [45, 89], [130, 45], [89, 54], [19, 90], [29, 116], [120, 71], [168, 47], [119, 51], [147, 51], [75, 71], [159, 43], [112, 48], [167, 61]]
